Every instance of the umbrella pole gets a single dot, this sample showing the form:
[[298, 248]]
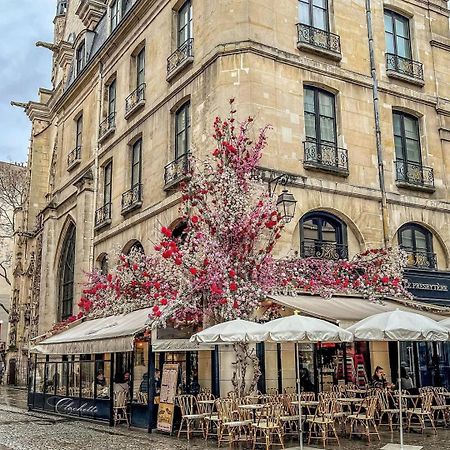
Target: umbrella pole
[[300, 427], [400, 403]]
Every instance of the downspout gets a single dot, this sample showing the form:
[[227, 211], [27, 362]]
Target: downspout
[[376, 110], [96, 165]]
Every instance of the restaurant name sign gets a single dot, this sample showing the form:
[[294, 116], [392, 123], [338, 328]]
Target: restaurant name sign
[[70, 406], [429, 286]]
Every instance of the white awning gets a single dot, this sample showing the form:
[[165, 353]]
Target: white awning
[[347, 310], [178, 345], [106, 335]]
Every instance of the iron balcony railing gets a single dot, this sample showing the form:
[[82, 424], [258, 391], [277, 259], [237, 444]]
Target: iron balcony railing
[[176, 170], [323, 249], [318, 38], [404, 66], [420, 258], [74, 156], [135, 98], [132, 198], [183, 53], [107, 125], [414, 174], [103, 215], [325, 156]]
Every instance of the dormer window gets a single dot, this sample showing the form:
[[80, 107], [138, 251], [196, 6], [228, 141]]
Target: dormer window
[[80, 57], [61, 9], [115, 14]]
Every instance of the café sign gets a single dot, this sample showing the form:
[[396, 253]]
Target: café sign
[[70, 406], [429, 286]]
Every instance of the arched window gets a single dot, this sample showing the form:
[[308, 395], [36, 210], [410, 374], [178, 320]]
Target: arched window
[[417, 241], [323, 235], [104, 269], [67, 270], [135, 247]]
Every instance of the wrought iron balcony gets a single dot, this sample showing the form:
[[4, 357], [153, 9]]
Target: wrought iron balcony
[[414, 175], [311, 248], [180, 58], [318, 41], [74, 158], [107, 127], [176, 170], [325, 157], [420, 259], [132, 199], [404, 68], [135, 100], [103, 216]]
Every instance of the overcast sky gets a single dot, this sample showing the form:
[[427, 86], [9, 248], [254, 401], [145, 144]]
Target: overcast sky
[[24, 68]]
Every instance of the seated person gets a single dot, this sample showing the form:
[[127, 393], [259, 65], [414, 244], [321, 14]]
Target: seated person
[[378, 380]]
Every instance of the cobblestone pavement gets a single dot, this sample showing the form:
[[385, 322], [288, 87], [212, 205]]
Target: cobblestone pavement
[[20, 430]]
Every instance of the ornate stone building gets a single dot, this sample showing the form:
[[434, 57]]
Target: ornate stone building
[[358, 94]]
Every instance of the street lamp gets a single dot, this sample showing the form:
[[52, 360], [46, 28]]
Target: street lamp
[[286, 202]]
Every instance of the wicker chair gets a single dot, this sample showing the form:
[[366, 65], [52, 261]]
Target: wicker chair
[[269, 426], [365, 417], [440, 409], [210, 418], [142, 397], [385, 401], [120, 408], [422, 413], [231, 423], [190, 417], [322, 425]]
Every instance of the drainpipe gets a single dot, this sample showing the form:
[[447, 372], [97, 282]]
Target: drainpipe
[[376, 110], [96, 166]]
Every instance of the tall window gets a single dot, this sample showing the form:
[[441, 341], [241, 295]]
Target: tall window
[[104, 269], [314, 13], [126, 5], [396, 28], [112, 98], [182, 130], [79, 132], [140, 68], [417, 241], [80, 57], [406, 138], [107, 185], [184, 23], [67, 271], [323, 235], [114, 14], [320, 116], [136, 157]]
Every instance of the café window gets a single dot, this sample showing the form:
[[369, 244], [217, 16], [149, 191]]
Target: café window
[[67, 272], [417, 242], [323, 235]]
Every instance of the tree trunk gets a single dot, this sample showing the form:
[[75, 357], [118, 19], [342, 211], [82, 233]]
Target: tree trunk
[[245, 358]]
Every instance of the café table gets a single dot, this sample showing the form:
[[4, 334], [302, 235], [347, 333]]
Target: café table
[[351, 402], [308, 404], [253, 408], [209, 405], [356, 392], [414, 398]]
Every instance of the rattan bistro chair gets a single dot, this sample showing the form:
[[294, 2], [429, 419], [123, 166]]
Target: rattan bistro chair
[[120, 408], [231, 423], [440, 409], [191, 419], [365, 418], [388, 407], [322, 425], [269, 426], [423, 413]]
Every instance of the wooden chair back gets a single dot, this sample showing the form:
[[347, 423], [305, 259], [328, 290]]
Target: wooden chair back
[[120, 399], [186, 403], [426, 397]]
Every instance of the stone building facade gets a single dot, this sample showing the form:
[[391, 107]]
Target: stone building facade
[[357, 93]]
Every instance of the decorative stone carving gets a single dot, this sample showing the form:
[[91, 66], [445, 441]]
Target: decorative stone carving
[[90, 12]]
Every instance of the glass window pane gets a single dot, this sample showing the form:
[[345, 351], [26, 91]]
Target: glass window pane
[[310, 230], [320, 19], [320, 3], [413, 151], [397, 118], [411, 128], [326, 104], [309, 100], [328, 232], [403, 48], [398, 147], [310, 126], [388, 23], [407, 238], [402, 27], [421, 240], [327, 131], [304, 14], [389, 43]]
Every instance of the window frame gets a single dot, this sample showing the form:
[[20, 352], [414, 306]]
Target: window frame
[[311, 7], [189, 23], [80, 57], [112, 97], [404, 150], [317, 115], [339, 226], [136, 162], [79, 131], [114, 14], [67, 274], [140, 67], [107, 183], [414, 227], [396, 16], [186, 108]]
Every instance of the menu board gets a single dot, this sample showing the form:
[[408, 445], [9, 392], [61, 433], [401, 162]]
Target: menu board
[[166, 408]]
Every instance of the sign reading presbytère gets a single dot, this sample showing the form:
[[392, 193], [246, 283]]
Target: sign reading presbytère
[[430, 286]]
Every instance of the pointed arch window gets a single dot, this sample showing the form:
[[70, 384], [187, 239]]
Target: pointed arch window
[[67, 273], [323, 235], [417, 242]]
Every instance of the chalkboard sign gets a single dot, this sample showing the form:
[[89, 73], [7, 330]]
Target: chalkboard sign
[[168, 393]]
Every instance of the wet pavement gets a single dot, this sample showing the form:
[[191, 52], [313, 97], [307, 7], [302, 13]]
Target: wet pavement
[[24, 430]]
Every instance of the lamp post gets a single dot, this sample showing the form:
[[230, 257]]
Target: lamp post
[[286, 202]]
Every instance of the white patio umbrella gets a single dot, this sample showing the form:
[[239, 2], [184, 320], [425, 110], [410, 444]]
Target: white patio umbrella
[[232, 332], [301, 329], [445, 323], [399, 326]]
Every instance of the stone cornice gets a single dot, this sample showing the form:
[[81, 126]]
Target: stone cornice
[[90, 12]]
